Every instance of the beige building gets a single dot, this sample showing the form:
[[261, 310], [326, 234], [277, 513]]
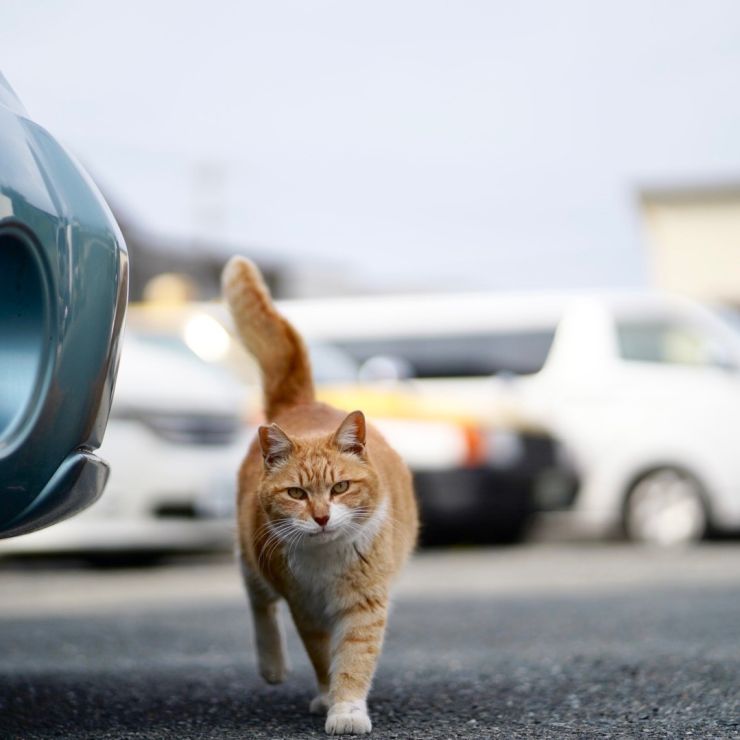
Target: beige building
[[693, 238]]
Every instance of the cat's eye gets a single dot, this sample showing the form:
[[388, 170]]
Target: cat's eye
[[296, 493], [340, 487]]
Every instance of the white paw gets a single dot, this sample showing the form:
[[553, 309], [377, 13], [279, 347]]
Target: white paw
[[348, 718], [319, 704], [273, 669]]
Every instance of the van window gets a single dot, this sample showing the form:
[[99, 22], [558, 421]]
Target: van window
[[519, 352], [667, 341]]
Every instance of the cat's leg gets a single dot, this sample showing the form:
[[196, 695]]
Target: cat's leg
[[316, 640], [268, 631], [356, 644]]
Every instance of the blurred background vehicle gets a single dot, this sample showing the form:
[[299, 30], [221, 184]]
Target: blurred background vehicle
[[63, 290], [175, 440], [641, 389], [645, 392]]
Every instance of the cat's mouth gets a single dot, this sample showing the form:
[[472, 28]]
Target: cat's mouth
[[324, 534]]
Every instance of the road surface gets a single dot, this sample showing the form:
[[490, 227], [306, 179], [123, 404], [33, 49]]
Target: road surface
[[551, 641]]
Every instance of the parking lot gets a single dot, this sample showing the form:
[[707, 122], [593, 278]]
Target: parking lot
[[552, 640]]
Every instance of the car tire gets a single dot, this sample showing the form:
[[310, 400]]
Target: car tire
[[666, 507]]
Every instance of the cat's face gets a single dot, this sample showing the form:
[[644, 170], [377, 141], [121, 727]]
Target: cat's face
[[318, 489]]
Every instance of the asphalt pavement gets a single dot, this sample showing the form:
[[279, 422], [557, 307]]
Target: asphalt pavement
[[548, 641]]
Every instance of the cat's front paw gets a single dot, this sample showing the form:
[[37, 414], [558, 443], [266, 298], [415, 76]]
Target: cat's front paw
[[319, 704], [348, 718]]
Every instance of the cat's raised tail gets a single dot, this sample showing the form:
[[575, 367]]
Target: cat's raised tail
[[277, 346]]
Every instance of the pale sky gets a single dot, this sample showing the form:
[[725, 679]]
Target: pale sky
[[461, 144]]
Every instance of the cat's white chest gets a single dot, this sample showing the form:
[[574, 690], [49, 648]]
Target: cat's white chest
[[317, 574]]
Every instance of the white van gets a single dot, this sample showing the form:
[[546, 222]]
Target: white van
[[643, 389]]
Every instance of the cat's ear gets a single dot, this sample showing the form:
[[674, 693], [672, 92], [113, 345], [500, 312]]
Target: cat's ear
[[276, 445], [350, 437]]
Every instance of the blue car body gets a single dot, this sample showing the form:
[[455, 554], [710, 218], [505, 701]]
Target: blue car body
[[63, 293]]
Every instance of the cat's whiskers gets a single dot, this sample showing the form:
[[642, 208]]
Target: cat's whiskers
[[267, 549], [294, 544], [278, 530]]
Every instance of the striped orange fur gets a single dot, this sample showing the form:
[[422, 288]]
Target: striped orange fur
[[326, 517]]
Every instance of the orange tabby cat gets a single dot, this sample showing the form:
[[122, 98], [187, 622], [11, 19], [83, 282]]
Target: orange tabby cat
[[326, 517]]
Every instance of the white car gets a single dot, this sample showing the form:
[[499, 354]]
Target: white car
[[645, 391], [174, 442]]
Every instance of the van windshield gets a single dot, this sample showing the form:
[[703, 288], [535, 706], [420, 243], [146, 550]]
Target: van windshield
[[517, 352]]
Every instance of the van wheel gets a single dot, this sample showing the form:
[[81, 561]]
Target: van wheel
[[666, 507]]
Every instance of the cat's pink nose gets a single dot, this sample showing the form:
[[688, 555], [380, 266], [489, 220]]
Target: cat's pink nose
[[321, 520]]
